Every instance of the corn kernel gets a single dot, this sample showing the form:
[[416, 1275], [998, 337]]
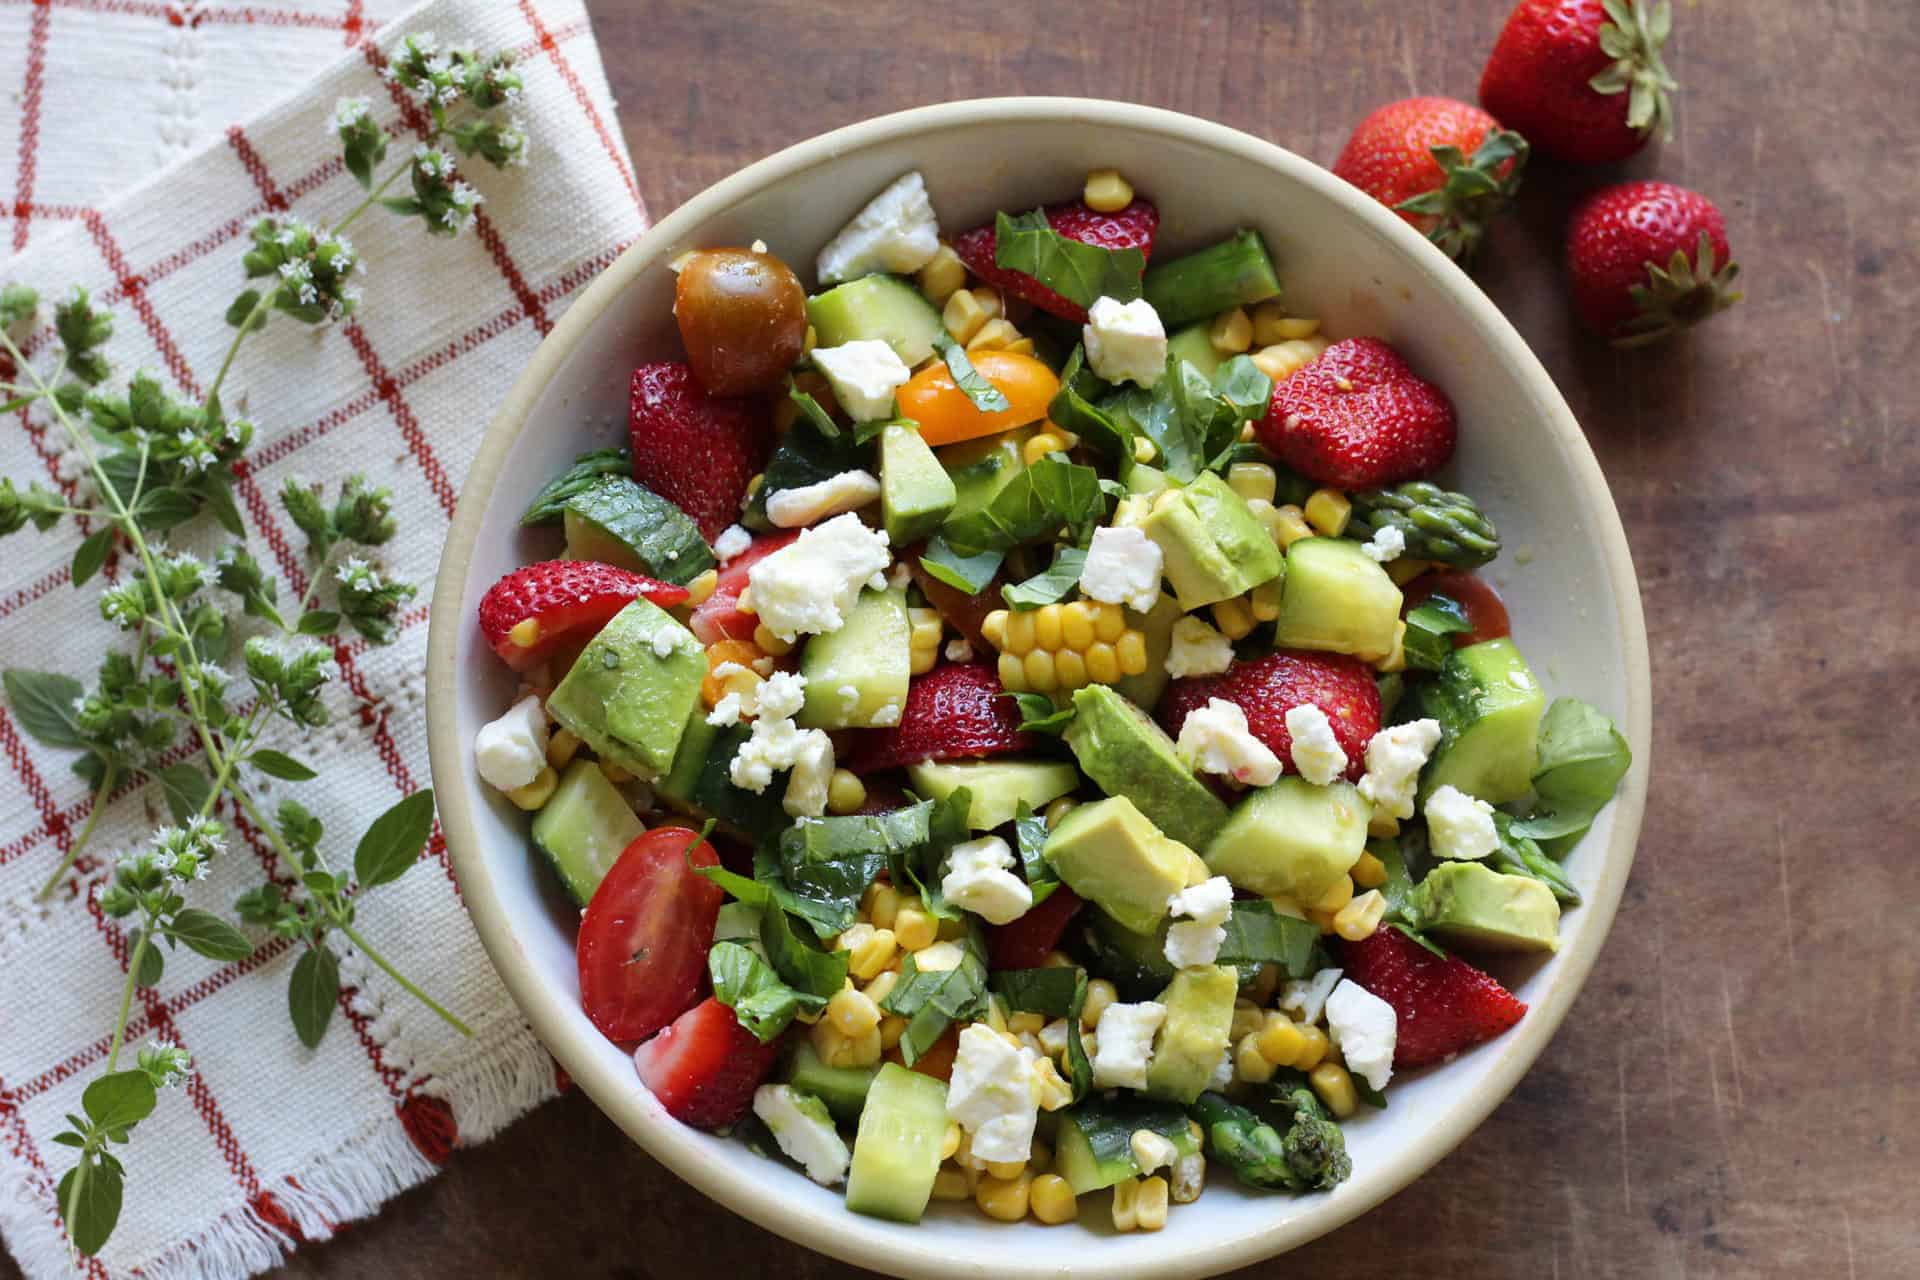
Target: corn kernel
[[1131, 651], [991, 303], [742, 654], [1102, 663], [853, 1012], [1359, 918], [1026, 1021], [1283, 905], [1369, 872], [951, 1184], [1144, 450], [1076, 625], [882, 986], [1040, 444], [1272, 325], [994, 628], [1050, 1089], [1047, 626], [1254, 481], [1231, 332], [701, 588], [1277, 362], [1100, 994], [1109, 622], [1150, 1150], [1406, 569], [1234, 618], [1126, 1204], [561, 748], [1314, 1051], [882, 904], [950, 1142], [1396, 659], [1328, 511], [1021, 347], [744, 602], [994, 335], [1248, 1018], [1056, 959], [1019, 633], [1106, 191], [943, 275], [1288, 525], [1052, 1200], [1279, 1041], [865, 1050], [1249, 1064], [536, 793], [892, 1027], [1004, 1199], [1150, 1209], [614, 773], [1381, 826], [963, 316], [525, 633], [1057, 810], [1070, 669], [1335, 1087], [830, 1042], [771, 643], [1013, 674], [1264, 601], [1041, 675], [1006, 1170], [845, 792], [1338, 895], [873, 954], [914, 929]]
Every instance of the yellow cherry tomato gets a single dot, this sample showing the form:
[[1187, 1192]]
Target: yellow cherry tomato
[[945, 414]]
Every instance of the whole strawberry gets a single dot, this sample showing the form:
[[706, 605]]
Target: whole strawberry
[[1445, 166], [698, 451], [1582, 79], [1358, 418], [1649, 259]]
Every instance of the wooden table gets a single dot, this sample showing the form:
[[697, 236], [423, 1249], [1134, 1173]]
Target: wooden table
[[1735, 1093]]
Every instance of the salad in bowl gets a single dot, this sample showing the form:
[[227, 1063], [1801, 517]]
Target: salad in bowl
[[1022, 722]]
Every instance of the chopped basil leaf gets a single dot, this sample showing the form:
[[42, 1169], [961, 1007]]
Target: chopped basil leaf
[[1030, 834], [810, 407], [551, 502], [1053, 992], [771, 891], [969, 574], [1583, 757], [1050, 585], [1038, 500], [1520, 856], [801, 963], [1257, 935], [865, 431], [1082, 273], [1429, 625], [931, 1002], [1398, 888], [986, 397], [1193, 428], [1073, 409], [1240, 383], [1039, 715], [748, 985]]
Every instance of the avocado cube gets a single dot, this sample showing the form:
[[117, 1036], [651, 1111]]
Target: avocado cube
[[996, 786], [1189, 1044], [1124, 751], [1489, 706], [1338, 599], [1111, 855], [1473, 905], [1292, 839], [916, 493], [1213, 545], [630, 692]]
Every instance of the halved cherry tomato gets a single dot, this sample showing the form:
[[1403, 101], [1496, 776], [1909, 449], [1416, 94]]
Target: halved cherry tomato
[[945, 414], [1485, 612], [644, 939], [1026, 943]]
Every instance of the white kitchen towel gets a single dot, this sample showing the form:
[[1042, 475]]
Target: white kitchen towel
[[150, 137]]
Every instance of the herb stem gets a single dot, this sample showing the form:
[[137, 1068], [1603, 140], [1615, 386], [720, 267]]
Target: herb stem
[[142, 942], [233, 348], [373, 197], [425, 999], [105, 789]]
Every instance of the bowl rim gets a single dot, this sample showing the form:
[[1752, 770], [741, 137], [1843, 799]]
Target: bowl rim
[[849, 1237]]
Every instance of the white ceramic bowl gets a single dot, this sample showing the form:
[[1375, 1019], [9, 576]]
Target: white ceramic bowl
[[1342, 257]]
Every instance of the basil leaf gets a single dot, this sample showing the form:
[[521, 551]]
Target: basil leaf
[[1193, 427], [1037, 502], [43, 703], [921, 865], [969, 574], [1082, 273], [810, 408], [800, 963], [1046, 991], [551, 502], [931, 1002], [829, 862], [312, 992], [1258, 935], [1073, 409], [1429, 626], [1240, 383], [1583, 757], [96, 1210], [394, 840], [748, 985], [1030, 835], [209, 935], [805, 455], [986, 397], [1039, 715], [1402, 907], [773, 895], [119, 1100], [1519, 855], [277, 764], [1052, 584], [865, 431]]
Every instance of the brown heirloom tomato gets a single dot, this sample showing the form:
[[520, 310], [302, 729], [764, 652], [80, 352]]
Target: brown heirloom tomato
[[743, 319]]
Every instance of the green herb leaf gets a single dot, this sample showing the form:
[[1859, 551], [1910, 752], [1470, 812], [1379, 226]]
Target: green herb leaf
[[166, 508], [801, 963], [186, 789], [92, 554], [1521, 856], [969, 574], [748, 985], [394, 841], [312, 992], [1039, 715], [1257, 935], [1083, 273], [806, 456], [810, 408], [1073, 409], [1030, 836], [209, 935], [1052, 584], [242, 307], [1240, 383], [43, 703], [1402, 906], [318, 622], [97, 1209], [1192, 428], [931, 1002], [1583, 757], [119, 1100], [217, 490], [277, 764], [1059, 992], [550, 503], [986, 397], [1037, 502], [153, 964], [773, 895], [1430, 626]]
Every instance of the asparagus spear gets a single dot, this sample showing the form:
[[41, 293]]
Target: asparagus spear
[[1232, 273]]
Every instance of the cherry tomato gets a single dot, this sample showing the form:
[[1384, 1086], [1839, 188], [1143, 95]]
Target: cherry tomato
[[644, 939], [743, 319], [945, 414], [1026, 942], [1485, 612]]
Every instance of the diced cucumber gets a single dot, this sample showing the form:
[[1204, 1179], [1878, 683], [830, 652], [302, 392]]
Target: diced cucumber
[[1194, 346], [896, 1153], [877, 306], [584, 827], [1489, 706], [1201, 285], [843, 1089], [1337, 599], [1093, 1147], [981, 468], [857, 676], [997, 786], [916, 493], [739, 922], [1136, 963], [1292, 838], [677, 785], [706, 789], [622, 522]]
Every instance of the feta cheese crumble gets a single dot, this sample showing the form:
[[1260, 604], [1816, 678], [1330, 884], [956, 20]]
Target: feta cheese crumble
[[1305, 999], [1197, 649], [991, 1095], [1197, 939], [1387, 544], [666, 641], [782, 694], [734, 540], [1125, 341], [959, 649], [807, 587], [896, 232], [1366, 1030], [1317, 754], [1125, 1042], [1123, 566], [510, 752], [1394, 759], [812, 771], [778, 744], [863, 375], [978, 880], [726, 712], [1460, 826], [812, 503], [1215, 739], [800, 1124]]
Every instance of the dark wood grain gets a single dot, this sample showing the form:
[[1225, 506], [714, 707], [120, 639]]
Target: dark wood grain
[[1737, 1091]]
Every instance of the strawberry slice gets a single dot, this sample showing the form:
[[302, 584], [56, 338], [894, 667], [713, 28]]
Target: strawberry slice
[[697, 451], [705, 1067], [1443, 1003], [718, 617], [1359, 418], [952, 712], [1267, 687], [1129, 228], [566, 601], [1027, 942]]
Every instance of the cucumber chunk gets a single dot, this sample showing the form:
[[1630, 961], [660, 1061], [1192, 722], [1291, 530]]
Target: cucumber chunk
[[997, 786], [1201, 285], [583, 828], [896, 1152], [1194, 346], [1094, 1145], [1292, 838], [1337, 599], [621, 522], [877, 306], [916, 493], [843, 1089], [857, 676], [1489, 706]]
